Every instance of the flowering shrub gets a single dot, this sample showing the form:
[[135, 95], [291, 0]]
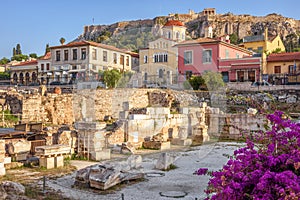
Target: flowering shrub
[[267, 168]]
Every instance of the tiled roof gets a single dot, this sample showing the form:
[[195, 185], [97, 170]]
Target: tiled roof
[[47, 56], [29, 62], [85, 43], [211, 41], [291, 56], [174, 23]]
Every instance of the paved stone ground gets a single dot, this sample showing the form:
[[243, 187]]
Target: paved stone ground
[[178, 181]]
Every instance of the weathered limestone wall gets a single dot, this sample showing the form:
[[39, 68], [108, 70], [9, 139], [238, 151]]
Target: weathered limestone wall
[[54, 108], [232, 126], [96, 104]]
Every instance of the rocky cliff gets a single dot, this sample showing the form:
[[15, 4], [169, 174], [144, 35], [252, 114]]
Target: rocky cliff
[[197, 26]]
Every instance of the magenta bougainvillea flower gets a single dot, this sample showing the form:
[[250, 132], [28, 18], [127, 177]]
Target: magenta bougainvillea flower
[[268, 168]]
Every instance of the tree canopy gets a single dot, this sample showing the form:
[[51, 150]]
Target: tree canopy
[[213, 80], [4, 61], [111, 77]]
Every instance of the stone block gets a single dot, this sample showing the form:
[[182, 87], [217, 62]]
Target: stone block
[[59, 161], [21, 156], [7, 160], [181, 142], [184, 111], [156, 145], [47, 162], [104, 154], [2, 169]]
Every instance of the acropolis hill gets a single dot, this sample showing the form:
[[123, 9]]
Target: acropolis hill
[[198, 22]]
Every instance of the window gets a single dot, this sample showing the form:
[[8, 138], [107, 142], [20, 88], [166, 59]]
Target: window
[[122, 60], [115, 58], [74, 54], [42, 67], [226, 53], [57, 54], [127, 60], [177, 35], [94, 54], [48, 66], [292, 69], [145, 59], [66, 54], [250, 49], [83, 53], [104, 56], [251, 75], [82, 66], [206, 57], [277, 69], [160, 73], [259, 49], [188, 57], [160, 57], [74, 67]]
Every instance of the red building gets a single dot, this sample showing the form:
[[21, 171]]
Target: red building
[[235, 63]]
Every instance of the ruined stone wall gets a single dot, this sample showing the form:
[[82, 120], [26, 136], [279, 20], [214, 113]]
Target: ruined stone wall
[[53, 109]]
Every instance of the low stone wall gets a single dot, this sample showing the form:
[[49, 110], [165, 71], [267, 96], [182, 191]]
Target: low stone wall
[[232, 126]]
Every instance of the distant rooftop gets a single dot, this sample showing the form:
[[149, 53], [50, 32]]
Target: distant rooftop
[[254, 38]]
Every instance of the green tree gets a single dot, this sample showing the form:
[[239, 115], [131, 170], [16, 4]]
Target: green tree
[[4, 61], [14, 51], [19, 57], [62, 40], [18, 49], [47, 49], [124, 80], [234, 39], [4, 76], [213, 80], [197, 82], [111, 78], [33, 55]]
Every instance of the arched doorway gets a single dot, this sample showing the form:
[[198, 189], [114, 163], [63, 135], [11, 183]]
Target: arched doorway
[[27, 78], [34, 77], [15, 78], [21, 78]]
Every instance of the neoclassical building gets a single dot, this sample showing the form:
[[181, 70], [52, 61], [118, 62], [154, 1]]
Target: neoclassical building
[[158, 62], [24, 73], [82, 60]]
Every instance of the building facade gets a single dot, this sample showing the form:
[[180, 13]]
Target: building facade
[[44, 69], [197, 56], [263, 45], [24, 73], [282, 68], [158, 62], [82, 60]]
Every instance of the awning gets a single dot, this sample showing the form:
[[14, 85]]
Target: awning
[[57, 73], [76, 70], [49, 73]]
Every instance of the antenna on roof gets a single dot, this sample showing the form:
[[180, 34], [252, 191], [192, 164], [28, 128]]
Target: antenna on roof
[[93, 20]]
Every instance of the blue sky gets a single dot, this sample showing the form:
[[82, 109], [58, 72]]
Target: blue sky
[[34, 23]]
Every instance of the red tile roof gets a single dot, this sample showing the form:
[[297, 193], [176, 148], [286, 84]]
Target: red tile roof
[[29, 62], [174, 23], [291, 56], [202, 41], [47, 56]]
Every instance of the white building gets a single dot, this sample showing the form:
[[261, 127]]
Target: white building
[[82, 60]]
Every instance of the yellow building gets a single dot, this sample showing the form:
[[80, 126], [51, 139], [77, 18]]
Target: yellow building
[[264, 45], [158, 62], [281, 67]]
